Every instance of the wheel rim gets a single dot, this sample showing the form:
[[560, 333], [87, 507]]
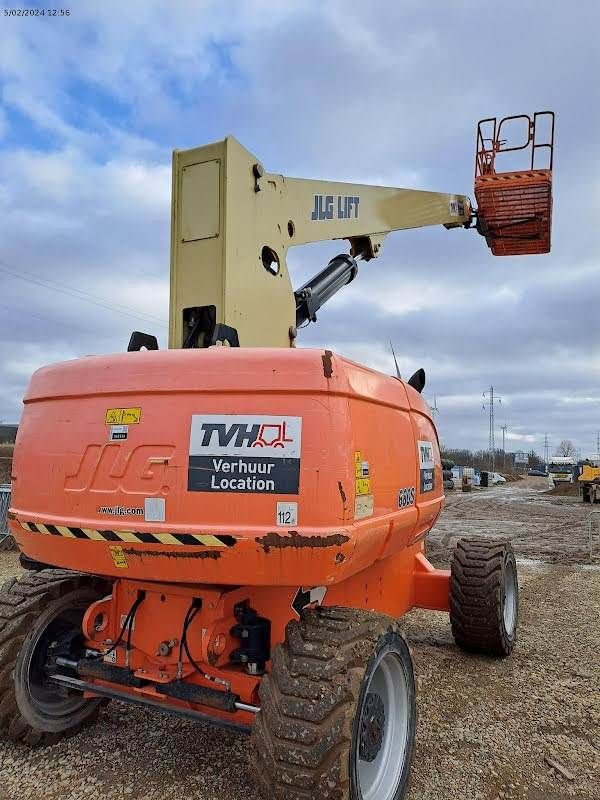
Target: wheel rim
[[383, 729], [47, 699], [510, 598]]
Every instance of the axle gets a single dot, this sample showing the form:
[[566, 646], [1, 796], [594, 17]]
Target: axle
[[75, 684]]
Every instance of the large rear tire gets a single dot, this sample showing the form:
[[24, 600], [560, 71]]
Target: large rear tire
[[36, 612], [338, 710], [484, 596]]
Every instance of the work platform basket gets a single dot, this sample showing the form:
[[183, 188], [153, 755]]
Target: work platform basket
[[515, 207]]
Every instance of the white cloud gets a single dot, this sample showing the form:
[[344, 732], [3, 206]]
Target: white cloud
[[33, 357], [99, 214], [387, 95], [513, 436]]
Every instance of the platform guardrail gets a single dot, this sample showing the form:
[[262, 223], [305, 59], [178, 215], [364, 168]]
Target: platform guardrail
[[4, 506]]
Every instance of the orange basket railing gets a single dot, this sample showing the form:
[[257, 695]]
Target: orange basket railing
[[515, 206]]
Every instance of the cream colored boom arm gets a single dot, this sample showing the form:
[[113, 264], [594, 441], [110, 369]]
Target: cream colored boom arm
[[232, 225]]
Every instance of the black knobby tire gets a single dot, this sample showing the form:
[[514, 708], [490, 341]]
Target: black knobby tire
[[586, 495], [484, 596], [25, 606], [306, 735]]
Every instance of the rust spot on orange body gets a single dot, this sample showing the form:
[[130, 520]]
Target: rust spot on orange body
[[134, 551], [296, 540], [327, 363]]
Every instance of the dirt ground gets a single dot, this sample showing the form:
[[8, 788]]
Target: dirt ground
[[541, 525], [487, 729]]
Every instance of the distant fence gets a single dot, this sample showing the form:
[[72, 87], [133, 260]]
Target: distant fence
[[4, 506]]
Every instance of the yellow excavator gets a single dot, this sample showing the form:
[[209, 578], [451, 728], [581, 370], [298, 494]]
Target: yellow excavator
[[589, 480]]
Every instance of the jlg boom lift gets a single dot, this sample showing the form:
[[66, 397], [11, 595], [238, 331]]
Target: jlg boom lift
[[230, 533]]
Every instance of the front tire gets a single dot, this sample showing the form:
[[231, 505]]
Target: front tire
[[484, 596], [338, 710], [36, 612]]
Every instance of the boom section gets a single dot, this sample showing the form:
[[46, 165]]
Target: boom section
[[233, 224]]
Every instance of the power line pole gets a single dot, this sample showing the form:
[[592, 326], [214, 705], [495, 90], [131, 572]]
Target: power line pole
[[546, 447], [598, 443], [491, 441], [503, 427]]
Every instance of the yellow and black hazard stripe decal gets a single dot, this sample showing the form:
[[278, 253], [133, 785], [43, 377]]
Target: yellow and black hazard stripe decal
[[135, 537]]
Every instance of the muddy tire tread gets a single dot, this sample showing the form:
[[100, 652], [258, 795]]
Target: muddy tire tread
[[21, 601], [476, 591], [302, 736]]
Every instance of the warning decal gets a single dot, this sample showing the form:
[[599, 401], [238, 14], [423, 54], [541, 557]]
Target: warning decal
[[456, 208], [239, 453], [426, 466], [363, 485], [363, 506], [123, 416], [118, 556], [357, 464], [118, 433]]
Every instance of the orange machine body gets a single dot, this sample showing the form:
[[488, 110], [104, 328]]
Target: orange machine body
[[279, 478]]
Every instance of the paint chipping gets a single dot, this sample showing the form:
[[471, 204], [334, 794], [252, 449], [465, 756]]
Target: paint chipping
[[342, 492], [327, 363], [277, 541], [130, 551]]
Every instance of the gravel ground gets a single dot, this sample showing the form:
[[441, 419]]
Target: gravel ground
[[486, 730]]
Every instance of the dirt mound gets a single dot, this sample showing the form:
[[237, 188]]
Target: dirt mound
[[565, 490], [511, 477]]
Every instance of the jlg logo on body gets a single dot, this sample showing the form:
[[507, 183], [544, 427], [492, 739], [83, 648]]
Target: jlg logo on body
[[110, 468]]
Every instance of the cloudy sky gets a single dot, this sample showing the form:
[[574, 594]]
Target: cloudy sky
[[92, 104]]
